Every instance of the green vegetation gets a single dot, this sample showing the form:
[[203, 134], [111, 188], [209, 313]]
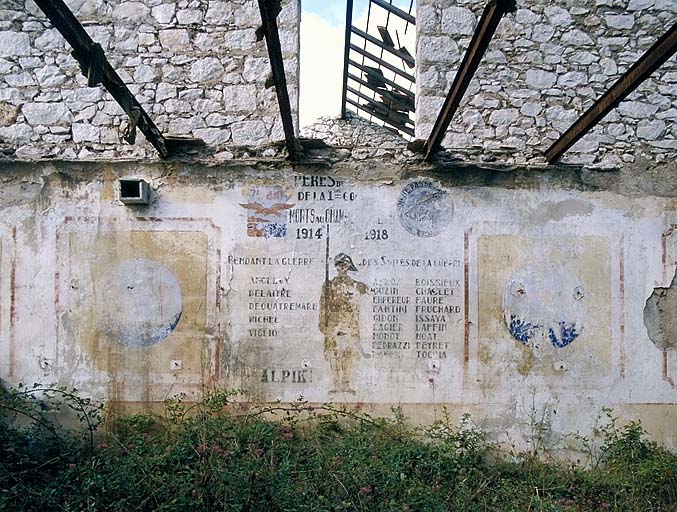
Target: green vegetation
[[220, 455]]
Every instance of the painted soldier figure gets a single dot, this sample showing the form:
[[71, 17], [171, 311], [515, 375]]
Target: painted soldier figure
[[340, 322]]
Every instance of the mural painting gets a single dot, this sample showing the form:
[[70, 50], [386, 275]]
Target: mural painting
[[354, 302], [333, 292], [132, 308], [424, 209], [545, 306], [377, 295], [141, 302], [340, 322], [533, 316], [266, 210]]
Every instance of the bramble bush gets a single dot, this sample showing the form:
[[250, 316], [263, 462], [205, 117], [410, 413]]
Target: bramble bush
[[220, 454]]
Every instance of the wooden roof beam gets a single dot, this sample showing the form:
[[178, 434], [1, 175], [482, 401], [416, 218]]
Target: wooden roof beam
[[98, 70], [493, 12], [654, 58], [269, 10]]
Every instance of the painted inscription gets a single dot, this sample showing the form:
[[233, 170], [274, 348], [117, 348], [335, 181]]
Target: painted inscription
[[416, 323], [321, 202], [297, 376], [378, 314], [323, 189], [273, 305], [389, 308], [268, 295], [436, 303]]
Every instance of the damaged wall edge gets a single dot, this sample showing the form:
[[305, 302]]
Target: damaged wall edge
[[660, 319]]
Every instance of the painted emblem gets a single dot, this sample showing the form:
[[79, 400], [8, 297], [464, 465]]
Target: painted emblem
[[141, 302], [542, 303], [267, 211], [423, 209]]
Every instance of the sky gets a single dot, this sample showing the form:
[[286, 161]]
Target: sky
[[322, 46]]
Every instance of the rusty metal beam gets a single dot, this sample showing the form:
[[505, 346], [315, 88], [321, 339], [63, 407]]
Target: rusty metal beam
[[493, 12], [654, 58], [382, 92], [378, 115], [98, 70], [398, 12], [396, 117], [269, 14], [389, 82], [346, 54], [390, 49], [383, 63]]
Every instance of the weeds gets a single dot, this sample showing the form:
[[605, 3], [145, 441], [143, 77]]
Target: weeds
[[220, 454]]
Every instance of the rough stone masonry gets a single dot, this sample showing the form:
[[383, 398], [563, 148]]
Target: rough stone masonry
[[194, 66], [547, 63]]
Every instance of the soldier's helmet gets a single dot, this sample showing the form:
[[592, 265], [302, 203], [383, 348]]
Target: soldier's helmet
[[344, 258]]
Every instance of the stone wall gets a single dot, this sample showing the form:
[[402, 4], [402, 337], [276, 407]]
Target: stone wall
[[195, 66], [547, 63]]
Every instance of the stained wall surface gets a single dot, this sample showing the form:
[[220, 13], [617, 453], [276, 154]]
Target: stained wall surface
[[530, 297], [506, 295], [546, 65]]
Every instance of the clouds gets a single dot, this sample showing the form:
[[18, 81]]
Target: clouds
[[321, 68]]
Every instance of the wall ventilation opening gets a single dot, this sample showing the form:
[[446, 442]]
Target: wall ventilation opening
[[133, 191]]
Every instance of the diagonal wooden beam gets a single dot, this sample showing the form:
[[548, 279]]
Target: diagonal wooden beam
[[493, 12], [654, 58], [98, 70], [269, 11]]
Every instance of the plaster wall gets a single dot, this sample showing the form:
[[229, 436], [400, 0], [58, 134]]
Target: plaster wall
[[509, 295]]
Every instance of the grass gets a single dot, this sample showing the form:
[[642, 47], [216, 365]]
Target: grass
[[219, 455]]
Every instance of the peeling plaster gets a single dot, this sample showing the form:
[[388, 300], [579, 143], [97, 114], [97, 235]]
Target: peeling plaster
[[660, 316]]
